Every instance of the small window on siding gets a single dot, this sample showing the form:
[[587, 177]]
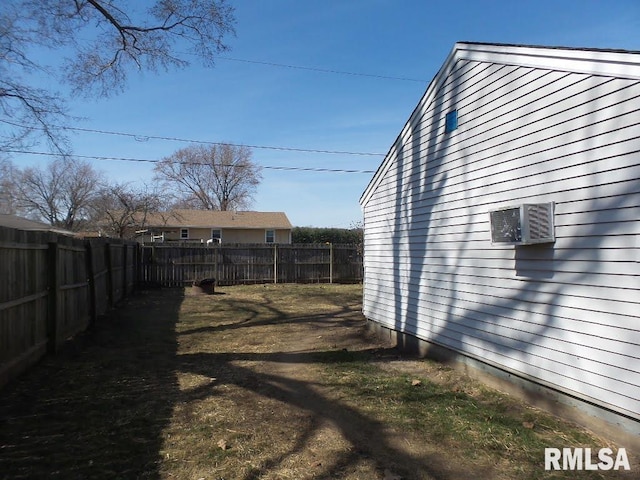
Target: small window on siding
[[451, 121], [216, 235], [184, 233], [270, 236]]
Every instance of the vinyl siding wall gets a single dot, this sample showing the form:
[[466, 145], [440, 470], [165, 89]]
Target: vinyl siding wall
[[566, 314]]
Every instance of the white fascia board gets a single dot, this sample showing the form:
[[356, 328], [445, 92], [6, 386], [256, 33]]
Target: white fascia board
[[607, 63], [610, 63]]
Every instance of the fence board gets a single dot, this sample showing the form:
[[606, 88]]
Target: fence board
[[23, 298], [72, 290]]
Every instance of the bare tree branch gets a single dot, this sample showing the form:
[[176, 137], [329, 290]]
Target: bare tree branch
[[120, 210], [123, 36], [8, 187]]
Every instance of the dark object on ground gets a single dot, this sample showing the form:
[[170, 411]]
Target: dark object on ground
[[205, 285]]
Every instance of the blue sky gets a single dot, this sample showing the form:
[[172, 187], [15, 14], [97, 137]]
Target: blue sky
[[244, 101]]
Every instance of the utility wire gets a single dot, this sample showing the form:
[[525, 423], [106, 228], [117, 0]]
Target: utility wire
[[323, 70], [143, 160], [143, 138]]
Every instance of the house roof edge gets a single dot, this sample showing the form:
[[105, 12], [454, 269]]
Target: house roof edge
[[595, 61]]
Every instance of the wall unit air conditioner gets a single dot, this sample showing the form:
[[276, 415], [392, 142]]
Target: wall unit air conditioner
[[524, 224]]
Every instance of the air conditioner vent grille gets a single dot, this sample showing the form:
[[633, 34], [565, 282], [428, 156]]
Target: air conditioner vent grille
[[523, 224], [538, 216]]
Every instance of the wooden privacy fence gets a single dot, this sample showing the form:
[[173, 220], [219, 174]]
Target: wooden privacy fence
[[53, 286], [179, 265]]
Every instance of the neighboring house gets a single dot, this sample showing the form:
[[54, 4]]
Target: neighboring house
[[202, 226], [20, 223], [501, 126]]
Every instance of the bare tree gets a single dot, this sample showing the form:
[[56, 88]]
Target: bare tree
[[8, 187], [106, 39], [216, 177], [25, 108], [120, 210], [60, 193]]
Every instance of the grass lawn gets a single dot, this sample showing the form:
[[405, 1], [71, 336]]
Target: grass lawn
[[264, 382]]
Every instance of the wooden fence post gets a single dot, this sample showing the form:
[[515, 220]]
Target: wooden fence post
[[154, 271], [135, 266], [107, 253], [124, 269], [91, 273], [275, 263], [216, 250], [331, 263], [53, 263]]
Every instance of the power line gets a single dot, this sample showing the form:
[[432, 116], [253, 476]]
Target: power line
[[315, 69], [324, 70], [143, 160], [143, 138], [140, 137]]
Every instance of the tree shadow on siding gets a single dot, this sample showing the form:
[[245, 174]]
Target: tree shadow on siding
[[98, 408], [432, 301], [415, 197], [537, 266], [446, 319]]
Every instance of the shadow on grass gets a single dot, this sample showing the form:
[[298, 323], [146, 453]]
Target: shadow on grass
[[102, 408], [367, 436], [98, 409], [270, 375]]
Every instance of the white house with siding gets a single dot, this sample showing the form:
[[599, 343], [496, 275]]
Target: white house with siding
[[501, 126]]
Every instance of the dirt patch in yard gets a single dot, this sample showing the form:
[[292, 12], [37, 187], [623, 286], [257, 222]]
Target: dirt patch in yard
[[264, 382]]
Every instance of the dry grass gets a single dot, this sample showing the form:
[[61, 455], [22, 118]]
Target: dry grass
[[263, 382]]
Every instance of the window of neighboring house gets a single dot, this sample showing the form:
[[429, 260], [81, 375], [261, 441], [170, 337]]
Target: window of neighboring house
[[270, 236], [184, 233], [451, 121], [216, 235]]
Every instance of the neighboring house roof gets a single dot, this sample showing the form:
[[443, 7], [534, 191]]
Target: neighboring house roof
[[19, 223], [217, 219], [612, 63]]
